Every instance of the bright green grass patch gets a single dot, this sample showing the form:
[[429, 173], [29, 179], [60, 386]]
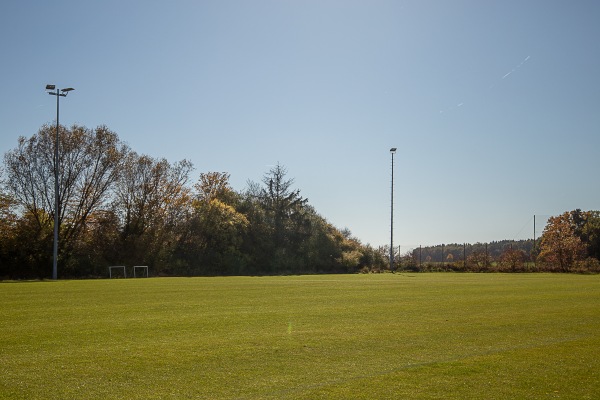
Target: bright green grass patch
[[476, 336]]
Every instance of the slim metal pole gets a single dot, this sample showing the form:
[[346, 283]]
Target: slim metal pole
[[533, 248], [486, 255], [58, 93], [442, 260], [56, 211], [392, 220]]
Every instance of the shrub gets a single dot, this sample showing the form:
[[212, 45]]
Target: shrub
[[589, 265]]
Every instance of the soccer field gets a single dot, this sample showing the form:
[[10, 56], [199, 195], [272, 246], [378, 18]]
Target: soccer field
[[418, 336]]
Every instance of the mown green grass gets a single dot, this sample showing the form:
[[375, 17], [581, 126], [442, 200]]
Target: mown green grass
[[420, 336]]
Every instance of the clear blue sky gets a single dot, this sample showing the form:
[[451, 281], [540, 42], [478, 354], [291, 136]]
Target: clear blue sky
[[494, 106]]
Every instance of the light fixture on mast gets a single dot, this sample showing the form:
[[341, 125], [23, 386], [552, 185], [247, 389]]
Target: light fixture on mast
[[58, 93]]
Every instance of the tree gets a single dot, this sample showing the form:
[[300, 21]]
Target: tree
[[283, 205], [323, 249], [560, 247], [8, 224], [89, 163], [152, 202], [218, 230], [95, 248], [512, 260], [478, 261], [212, 240], [286, 219], [587, 228], [214, 185]]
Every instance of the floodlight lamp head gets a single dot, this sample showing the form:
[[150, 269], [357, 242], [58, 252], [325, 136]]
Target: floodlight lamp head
[[393, 150], [50, 87], [66, 90]]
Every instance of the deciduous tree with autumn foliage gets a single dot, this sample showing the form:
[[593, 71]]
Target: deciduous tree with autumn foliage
[[569, 239]]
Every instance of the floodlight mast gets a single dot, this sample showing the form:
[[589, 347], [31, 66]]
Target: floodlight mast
[[392, 151], [58, 93]]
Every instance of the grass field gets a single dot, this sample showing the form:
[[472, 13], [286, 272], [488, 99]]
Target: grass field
[[419, 336]]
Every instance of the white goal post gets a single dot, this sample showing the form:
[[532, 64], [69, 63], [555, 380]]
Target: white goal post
[[110, 269], [144, 267]]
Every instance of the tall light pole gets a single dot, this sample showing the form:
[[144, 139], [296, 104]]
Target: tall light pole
[[52, 90], [392, 151]]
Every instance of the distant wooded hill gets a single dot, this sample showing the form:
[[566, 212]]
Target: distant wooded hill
[[455, 251]]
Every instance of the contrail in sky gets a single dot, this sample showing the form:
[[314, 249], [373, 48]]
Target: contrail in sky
[[517, 67], [492, 85], [452, 108]]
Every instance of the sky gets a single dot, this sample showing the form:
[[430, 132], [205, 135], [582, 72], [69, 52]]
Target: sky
[[493, 106]]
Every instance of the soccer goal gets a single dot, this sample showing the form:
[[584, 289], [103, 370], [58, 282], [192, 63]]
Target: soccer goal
[[118, 267], [144, 268]]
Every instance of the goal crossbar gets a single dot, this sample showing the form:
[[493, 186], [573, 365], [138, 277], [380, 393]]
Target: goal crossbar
[[143, 267], [110, 269]]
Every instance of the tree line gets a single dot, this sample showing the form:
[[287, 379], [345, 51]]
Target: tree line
[[570, 242], [118, 207]]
